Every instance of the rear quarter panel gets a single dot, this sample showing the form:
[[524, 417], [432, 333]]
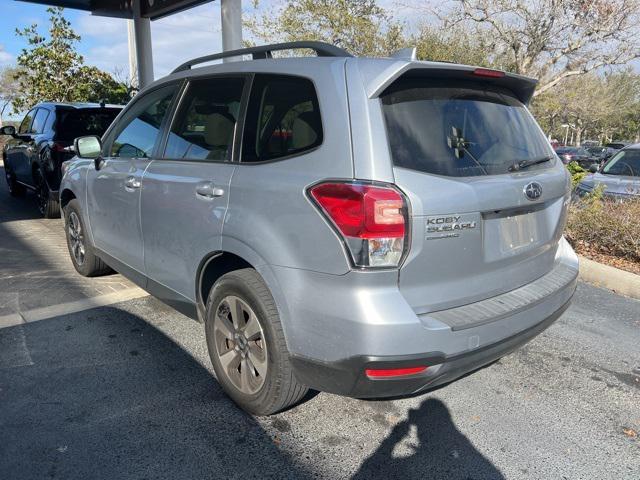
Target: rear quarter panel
[[269, 212]]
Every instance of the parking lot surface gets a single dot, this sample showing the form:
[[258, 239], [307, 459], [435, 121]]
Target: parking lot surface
[[127, 391]]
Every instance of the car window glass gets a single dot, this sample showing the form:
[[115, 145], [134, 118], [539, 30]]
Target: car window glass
[[205, 123], [143, 121], [626, 162], [25, 126], [283, 118], [39, 120], [459, 128], [73, 123]]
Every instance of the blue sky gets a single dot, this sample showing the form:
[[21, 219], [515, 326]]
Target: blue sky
[[104, 40]]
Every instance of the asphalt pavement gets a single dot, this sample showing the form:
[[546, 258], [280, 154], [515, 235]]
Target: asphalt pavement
[[126, 391]]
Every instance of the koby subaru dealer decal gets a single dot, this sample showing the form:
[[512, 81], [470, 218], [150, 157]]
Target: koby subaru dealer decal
[[449, 226]]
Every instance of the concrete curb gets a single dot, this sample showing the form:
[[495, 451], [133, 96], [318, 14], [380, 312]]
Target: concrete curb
[[620, 281]]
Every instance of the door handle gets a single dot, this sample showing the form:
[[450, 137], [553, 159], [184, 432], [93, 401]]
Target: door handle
[[132, 183], [208, 190]]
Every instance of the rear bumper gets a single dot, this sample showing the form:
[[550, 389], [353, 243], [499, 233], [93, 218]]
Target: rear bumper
[[336, 327], [347, 377]]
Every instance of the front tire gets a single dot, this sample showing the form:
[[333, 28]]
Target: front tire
[[247, 346], [80, 248]]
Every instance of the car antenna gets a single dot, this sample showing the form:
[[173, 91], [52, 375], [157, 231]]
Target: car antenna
[[103, 103]]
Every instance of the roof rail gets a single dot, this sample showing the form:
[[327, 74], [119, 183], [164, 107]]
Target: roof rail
[[265, 51]]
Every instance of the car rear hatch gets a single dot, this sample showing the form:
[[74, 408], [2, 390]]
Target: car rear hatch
[[482, 222]]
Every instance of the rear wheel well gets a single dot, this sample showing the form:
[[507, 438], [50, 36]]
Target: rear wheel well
[[213, 268], [66, 196]]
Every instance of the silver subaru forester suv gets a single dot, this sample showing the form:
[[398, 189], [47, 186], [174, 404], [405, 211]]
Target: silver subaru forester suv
[[367, 227]]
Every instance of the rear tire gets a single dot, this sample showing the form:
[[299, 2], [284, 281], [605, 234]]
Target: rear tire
[[15, 189], [251, 360], [80, 248]]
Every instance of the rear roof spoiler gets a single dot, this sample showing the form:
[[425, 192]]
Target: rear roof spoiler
[[377, 81]]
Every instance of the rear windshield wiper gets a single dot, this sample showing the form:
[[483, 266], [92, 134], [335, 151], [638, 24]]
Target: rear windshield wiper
[[528, 163]]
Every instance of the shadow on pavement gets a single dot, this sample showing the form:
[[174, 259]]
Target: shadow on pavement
[[16, 208], [441, 452], [103, 394]]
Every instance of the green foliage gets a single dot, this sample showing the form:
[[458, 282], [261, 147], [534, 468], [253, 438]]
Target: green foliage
[[52, 69], [359, 26], [600, 107], [577, 173]]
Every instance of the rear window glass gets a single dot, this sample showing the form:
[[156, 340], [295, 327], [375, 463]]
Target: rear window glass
[[459, 128], [78, 123]]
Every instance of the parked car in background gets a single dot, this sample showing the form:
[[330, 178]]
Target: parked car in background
[[600, 154], [363, 226], [575, 154], [616, 145], [619, 177], [34, 155]]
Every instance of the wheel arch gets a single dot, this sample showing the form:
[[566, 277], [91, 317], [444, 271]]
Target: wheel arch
[[211, 268], [66, 196]]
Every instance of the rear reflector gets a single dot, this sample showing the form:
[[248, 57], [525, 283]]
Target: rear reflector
[[393, 372], [485, 72]]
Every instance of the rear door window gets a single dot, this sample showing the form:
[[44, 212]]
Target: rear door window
[[283, 118], [39, 120], [459, 128], [205, 125]]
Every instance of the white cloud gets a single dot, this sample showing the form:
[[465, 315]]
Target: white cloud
[[175, 39], [5, 57]]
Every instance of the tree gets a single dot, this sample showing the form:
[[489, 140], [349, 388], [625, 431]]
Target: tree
[[359, 26], [52, 69], [9, 88], [603, 107], [552, 40]]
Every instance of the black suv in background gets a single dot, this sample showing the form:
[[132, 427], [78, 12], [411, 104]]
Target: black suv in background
[[33, 157]]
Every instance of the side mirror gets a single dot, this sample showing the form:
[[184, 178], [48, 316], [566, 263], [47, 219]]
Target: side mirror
[[8, 130], [89, 147], [593, 168]]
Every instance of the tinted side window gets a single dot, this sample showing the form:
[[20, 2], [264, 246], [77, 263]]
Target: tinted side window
[[283, 118], [78, 123], [39, 121], [205, 123], [25, 126], [140, 128]]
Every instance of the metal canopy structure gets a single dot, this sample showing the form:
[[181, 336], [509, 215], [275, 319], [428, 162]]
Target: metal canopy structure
[[152, 9], [142, 11]]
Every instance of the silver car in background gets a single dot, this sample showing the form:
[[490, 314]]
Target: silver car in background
[[619, 177], [367, 227]]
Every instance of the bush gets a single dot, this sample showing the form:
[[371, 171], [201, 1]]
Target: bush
[[577, 173], [608, 227]]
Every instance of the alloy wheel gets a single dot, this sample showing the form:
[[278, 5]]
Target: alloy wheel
[[240, 344], [76, 238]]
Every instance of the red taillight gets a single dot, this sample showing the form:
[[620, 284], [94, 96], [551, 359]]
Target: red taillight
[[362, 211], [486, 72], [393, 372], [371, 218]]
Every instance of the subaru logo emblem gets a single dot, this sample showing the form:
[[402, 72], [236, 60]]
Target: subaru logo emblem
[[533, 191]]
